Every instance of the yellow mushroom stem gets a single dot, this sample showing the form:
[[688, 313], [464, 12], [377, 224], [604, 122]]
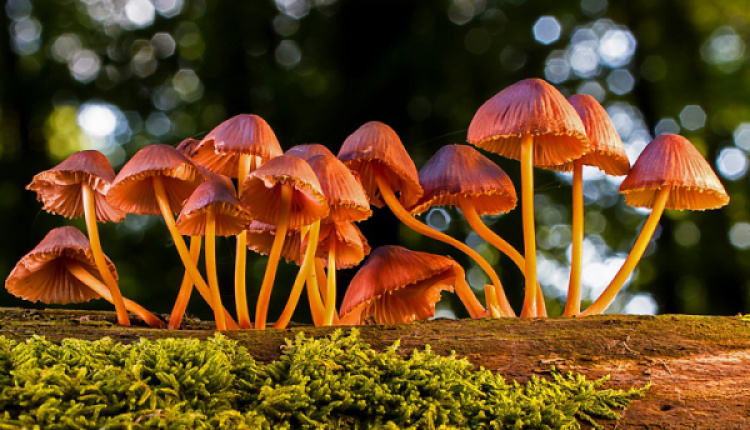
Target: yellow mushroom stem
[[317, 309], [213, 278], [246, 165], [186, 288], [320, 276], [331, 288], [609, 293], [529, 236], [573, 302], [179, 243], [89, 215], [467, 297], [496, 299], [92, 282], [307, 265], [469, 210], [264, 297]]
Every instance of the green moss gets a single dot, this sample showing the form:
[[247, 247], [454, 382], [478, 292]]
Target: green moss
[[336, 382]]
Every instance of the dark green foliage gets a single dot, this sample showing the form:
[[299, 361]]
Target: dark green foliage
[[337, 382]]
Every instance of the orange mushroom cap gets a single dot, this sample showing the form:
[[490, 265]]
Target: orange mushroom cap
[[460, 171], [376, 143], [231, 215], [345, 195], [309, 150], [351, 244], [41, 274], [396, 285], [605, 146], [262, 192], [133, 191], [260, 238], [530, 107], [246, 134], [59, 188], [672, 161]]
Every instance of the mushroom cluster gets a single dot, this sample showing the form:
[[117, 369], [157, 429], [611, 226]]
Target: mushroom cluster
[[303, 205]]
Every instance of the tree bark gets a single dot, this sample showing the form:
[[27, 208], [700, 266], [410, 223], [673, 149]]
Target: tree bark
[[698, 366]]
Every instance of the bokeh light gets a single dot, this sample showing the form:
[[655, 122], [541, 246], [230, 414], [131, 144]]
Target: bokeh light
[[547, 30], [732, 163]]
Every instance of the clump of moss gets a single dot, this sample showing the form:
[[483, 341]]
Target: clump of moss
[[337, 382]]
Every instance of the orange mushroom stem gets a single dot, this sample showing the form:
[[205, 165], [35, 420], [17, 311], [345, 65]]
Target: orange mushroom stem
[[186, 288], [467, 297], [529, 234], [213, 279], [246, 165], [317, 308], [331, 286], [322, 278], [573, 302]]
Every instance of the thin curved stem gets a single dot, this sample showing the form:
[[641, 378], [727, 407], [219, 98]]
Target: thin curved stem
[[466, 295], [186, 288], [246, 165], [89, 215], [299, 282], [573, 302], [90, 281], [261, 307], [605, 299], [529, 235], [179, 243], [317, 309], [322, 278], [213, 278], [402, 214], [331, 288]]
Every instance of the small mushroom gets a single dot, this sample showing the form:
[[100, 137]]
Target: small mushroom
[[61, 269], [309, 150], [670, 173]]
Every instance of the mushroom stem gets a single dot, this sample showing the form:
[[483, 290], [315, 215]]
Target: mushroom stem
[[317, 309], [213, 279], [89, 214], [331, 288], [493, 301], [472, 217], [186, 288], [264, 297], [604, 300], [463, 291], [190, 267], [573, 302], [529, 236], [320, 275], [299, 282], [246, 165], [90, 280]]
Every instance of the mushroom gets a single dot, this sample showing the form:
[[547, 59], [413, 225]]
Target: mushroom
[[396, 285], [284, 192], [235, 148], [670, 173], [62, 269], [532, 122], [458, 175], [213, 209], [76, 187], [158, 180], [376, 153], [309, 150], [606, 153]]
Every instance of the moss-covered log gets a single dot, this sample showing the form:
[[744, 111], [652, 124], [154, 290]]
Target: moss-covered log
[[698, 365]]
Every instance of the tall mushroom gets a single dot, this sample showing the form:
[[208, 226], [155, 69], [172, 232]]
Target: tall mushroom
[[396, 285], [532, 122], [670, 173], [76, 187], [61, 269], [235, 148], [376, 153], [309, 150]]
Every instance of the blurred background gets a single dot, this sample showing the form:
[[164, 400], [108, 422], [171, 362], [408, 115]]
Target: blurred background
[[116, 75]]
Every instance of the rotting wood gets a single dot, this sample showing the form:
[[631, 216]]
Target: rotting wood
[[699, 366]]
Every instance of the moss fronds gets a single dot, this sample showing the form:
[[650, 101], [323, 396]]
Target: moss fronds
[[337, 382]]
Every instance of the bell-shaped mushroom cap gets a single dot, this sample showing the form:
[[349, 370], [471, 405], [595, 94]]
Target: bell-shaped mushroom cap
[[396, 285], [458, 171], [260, 238], [672, 161], [133, 189], [345, 195], [351, 244], [309, 150], [263, 191], [41, 274], [231, 215], [530, 107], [376, 143], [188, 147], [59, 188], [605, 146], [247, 134]]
